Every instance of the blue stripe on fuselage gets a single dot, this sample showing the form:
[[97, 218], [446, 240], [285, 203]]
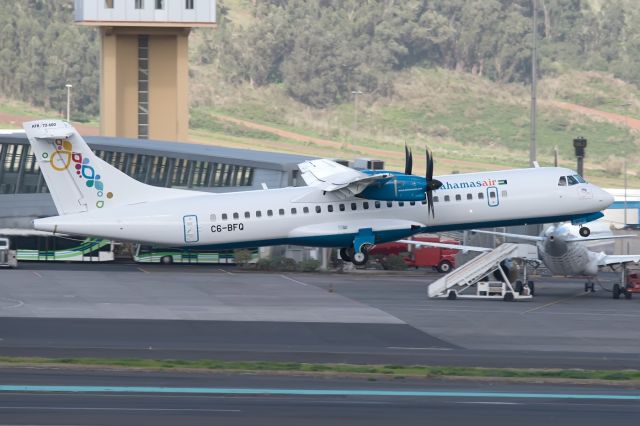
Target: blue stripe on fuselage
[[346, 240]]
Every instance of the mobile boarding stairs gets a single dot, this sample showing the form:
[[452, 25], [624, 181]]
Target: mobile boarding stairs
[[476, 275]]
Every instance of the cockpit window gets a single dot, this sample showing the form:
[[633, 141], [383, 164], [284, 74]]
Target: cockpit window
[[572, 180], [579, 179], [562, 181]]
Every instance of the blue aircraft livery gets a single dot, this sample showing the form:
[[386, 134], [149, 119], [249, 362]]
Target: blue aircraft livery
[[473, 184]]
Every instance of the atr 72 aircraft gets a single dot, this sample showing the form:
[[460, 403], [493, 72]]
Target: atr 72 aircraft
[[340, 207]]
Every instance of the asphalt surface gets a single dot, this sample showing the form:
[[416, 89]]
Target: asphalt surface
[[118, 310], [250, 400]]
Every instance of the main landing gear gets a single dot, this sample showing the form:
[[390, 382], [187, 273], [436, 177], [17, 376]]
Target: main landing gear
[[358, 254], [584, 231], [359, 259]]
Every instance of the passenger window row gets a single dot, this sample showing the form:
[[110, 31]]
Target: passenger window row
[[365, 205], [470, 196]]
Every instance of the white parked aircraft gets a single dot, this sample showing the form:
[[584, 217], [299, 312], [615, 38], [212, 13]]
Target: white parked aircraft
[[564, 252], [340, 207]]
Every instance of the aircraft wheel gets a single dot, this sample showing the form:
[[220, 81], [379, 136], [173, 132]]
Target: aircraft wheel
[[585, 232], [532, 288], [616, 291], [360, 258], [444, 267], [345, 254], [166, 260]]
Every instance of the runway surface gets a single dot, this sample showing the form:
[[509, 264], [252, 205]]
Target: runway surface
[[207, 312], [110, 398]]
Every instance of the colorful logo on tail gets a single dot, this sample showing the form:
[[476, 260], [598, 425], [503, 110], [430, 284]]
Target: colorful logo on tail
[[63, 157]]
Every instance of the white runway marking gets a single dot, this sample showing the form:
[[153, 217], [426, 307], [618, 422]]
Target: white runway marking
[[294, 280], [16, 303], [225, 271], [36, 274], [555, 302], [489, 402]]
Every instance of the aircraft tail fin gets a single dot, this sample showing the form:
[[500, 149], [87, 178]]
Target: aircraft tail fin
[[78, 180]]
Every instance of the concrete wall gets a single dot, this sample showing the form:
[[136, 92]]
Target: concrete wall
[[168, 87], [168, 83]]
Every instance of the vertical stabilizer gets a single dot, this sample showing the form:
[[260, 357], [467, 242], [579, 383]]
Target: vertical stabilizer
[[78, 180]]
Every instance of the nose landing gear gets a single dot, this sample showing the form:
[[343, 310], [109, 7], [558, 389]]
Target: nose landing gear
[[584, 231]]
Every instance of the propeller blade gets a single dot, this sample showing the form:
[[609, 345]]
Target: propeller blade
[[429, 165], [408, 160], [432, 184]]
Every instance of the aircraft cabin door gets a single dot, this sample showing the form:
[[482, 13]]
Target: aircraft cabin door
[[492, 196], [190, 229]]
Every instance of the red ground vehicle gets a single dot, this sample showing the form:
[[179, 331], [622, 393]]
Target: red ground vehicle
[[441, 259], [632, 286]]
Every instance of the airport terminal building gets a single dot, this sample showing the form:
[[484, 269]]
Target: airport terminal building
[[24, 195]]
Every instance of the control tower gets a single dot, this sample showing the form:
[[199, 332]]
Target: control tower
[[144, 68]]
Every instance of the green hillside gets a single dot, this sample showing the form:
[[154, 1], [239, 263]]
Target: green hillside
[[469, 122]]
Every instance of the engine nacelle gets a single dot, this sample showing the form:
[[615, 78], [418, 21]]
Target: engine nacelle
[[400, 187]]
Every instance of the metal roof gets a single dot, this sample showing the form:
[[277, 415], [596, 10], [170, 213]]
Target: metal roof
[[191, 151]]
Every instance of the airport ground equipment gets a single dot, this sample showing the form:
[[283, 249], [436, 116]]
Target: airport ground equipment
[[7, 256], [442, 259], [630, 284], [476, 274]]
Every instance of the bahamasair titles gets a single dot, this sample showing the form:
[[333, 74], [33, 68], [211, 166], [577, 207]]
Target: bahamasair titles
[[340, 207]]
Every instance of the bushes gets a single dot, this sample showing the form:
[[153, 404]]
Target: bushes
[[393, 262], [276, 264]]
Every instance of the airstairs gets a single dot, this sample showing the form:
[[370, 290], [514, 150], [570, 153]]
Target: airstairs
[[454, 284]]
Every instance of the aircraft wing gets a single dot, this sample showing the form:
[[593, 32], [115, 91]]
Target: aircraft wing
[[514, 236], [608, 260], [445, 245], [331, 176], [597, 237]]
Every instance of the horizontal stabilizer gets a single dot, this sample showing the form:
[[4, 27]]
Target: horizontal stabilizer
[[609, 260], [597, 237]]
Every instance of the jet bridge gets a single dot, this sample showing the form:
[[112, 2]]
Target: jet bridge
[[473, 273]]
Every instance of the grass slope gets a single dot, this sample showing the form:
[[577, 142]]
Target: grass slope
[[469, 122]]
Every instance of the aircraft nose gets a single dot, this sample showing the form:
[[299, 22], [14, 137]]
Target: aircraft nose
[[604, 198]]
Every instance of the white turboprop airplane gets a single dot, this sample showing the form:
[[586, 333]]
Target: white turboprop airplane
[[340, 207], [564, 252]]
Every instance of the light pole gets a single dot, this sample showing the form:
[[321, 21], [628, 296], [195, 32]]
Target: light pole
[[68, 86], [534, 77], [355, 94], [625, 191]]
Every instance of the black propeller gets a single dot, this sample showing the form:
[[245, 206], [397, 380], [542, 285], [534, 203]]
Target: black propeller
[[432, 184], [408, 160]]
